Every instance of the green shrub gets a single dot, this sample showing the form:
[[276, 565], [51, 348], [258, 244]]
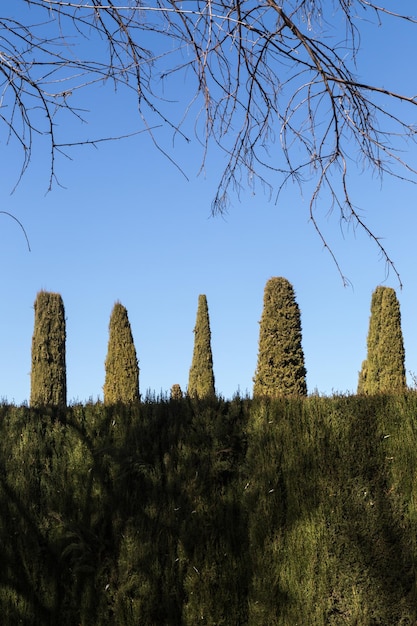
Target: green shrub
[[277, 511]]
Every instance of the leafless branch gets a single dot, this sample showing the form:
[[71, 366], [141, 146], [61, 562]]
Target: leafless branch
[[273, 84], [13, 217]]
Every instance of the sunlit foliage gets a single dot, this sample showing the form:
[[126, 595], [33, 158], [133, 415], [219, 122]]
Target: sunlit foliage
[[280, 370], [122, 369], [383, 371], [48, 377], [201, 376]]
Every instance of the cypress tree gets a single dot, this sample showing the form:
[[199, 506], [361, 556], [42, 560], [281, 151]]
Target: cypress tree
[[176, 392], [363, 374], [383, 371], [48, 377], [280, 370], [122, 369], [201, 376]]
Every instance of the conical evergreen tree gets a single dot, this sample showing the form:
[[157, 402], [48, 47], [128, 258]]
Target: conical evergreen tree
[[122, 369], [363, 374], [48, 378], [201, 376], [176, 392], [384, 369], [280, 370]]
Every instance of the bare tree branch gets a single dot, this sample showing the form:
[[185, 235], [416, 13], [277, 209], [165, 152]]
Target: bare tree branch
[[273, 84], [13, 217]]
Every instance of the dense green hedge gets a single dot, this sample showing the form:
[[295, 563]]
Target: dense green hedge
[[223, 513]]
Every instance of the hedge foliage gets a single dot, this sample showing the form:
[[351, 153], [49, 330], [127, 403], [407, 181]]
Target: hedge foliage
[[178, 512]]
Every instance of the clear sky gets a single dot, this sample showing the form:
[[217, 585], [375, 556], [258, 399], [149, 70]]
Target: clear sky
[[127, 226]]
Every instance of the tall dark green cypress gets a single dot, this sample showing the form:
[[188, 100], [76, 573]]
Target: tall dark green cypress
[[383, 371], [122, 369], [201, 376], [280, 370], [48, 378]]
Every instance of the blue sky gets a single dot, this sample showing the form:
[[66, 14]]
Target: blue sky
[[129, 227]]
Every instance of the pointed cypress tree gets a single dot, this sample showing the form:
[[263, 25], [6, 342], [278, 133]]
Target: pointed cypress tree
[[280, 370], [201, 376], [122, 369], [383, 371], [362, 381], [176, 392], [48, 377]]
